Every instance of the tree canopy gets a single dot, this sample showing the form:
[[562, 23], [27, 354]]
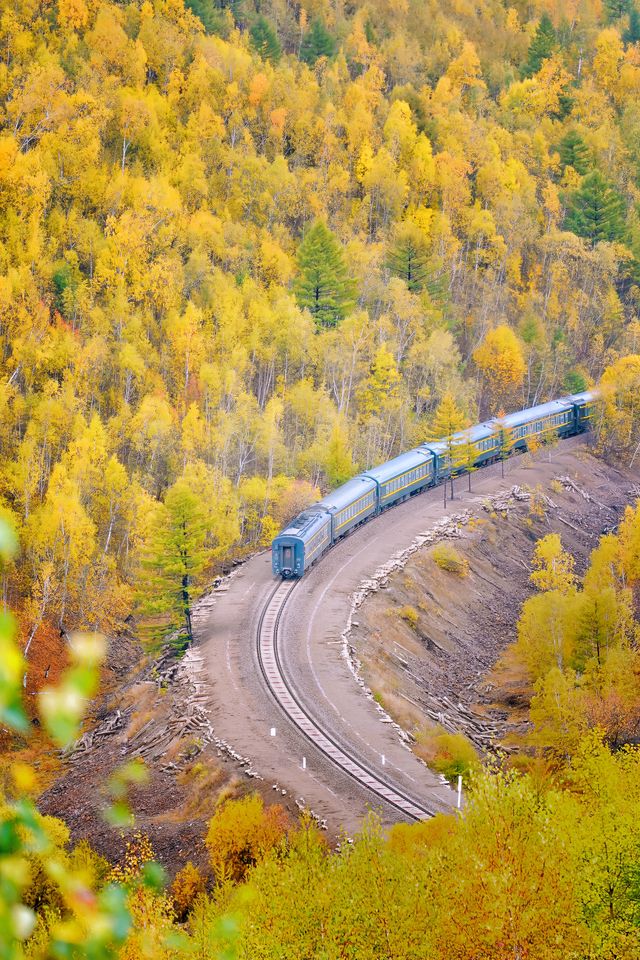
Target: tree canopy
[[596, 210], [323, 286]]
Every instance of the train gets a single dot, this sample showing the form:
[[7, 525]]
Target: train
[[318, 528]]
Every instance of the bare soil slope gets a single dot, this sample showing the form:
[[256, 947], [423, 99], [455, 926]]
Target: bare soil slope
[[426, 639]]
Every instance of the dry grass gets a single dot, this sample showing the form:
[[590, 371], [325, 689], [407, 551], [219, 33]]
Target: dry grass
[[409, 615], [510, 682], [406, 714], [141, 696], [202, 782], [137, 722]]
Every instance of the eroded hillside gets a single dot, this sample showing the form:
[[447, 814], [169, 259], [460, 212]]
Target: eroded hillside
[[428, 638]]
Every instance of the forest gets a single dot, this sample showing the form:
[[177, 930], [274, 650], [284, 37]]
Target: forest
[[244, 253], [248, 247]]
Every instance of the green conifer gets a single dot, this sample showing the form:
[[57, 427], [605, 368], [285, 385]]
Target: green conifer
[[596, 210], [632, 34], [213, 18], [264, 40], [323, 286], [574, 152], [543, 44], [407, 256], [317, 42], [614, 9]]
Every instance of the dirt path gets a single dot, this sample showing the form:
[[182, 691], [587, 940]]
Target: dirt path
[[319, 610]]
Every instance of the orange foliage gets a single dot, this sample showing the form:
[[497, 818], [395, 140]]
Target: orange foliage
[[48, 656], [188, 884]]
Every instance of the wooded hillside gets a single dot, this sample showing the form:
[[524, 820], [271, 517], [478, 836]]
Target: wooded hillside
[[246, 248]]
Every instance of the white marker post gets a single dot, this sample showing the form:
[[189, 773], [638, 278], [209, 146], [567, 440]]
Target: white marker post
[[273, 731], [383, 760], [304, 763], [459, 790]]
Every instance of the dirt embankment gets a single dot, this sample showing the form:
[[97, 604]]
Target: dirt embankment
[[424, 639], [155, 711]]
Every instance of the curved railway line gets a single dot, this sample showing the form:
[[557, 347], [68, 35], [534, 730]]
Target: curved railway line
[[290, 703]]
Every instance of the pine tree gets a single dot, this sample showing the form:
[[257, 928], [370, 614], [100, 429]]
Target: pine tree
[[632, 34], [596, 210], [407, 257], [614, 9], [574, 152], [323, 285], [264, 40], [317, 43], [213, 18], [174, 559], [543, 44]]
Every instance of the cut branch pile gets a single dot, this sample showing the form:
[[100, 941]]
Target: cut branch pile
[[570, 484]]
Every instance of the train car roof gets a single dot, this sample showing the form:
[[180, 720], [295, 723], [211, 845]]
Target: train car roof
[[303, 522], [471, 435], [400, 464], [347, 493], [587, 396], [533, 413]]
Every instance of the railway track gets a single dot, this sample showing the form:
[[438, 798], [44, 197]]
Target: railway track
[[290, 703]]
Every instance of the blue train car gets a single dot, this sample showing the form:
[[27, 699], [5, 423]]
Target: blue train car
[[556, 417], [485, 440], [349, 505], [483, 437], [316, 529], [403, 476], [584, 405], [302, 543]]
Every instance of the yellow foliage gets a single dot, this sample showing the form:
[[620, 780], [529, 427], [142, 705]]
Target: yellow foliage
[[619, 418], [451, 754], [241, 834], [500, 360], [186, 887], [553, 567], [448, 558], [73, 13]]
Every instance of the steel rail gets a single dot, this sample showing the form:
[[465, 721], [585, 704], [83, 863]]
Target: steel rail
[[289, 702]]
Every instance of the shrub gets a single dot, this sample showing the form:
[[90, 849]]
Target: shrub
[[409, 615], [451, 754], [188, 884], [241, 833], [448, 558]]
